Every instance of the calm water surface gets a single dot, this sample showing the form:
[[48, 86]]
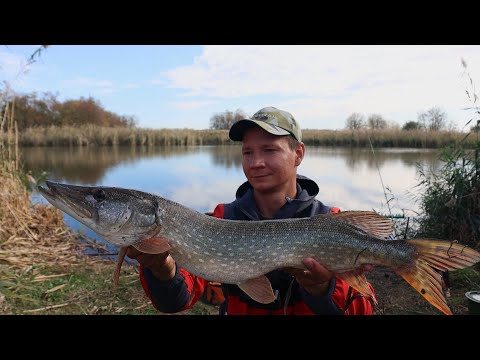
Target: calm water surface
[[201, 177]]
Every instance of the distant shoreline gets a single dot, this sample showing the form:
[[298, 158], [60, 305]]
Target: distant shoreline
[[127, 136]]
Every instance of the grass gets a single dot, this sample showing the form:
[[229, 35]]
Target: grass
[[84, 289]]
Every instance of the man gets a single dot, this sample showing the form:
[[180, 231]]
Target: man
[[272, 150]]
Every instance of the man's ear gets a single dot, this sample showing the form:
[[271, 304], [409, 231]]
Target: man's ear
[[299, 153]]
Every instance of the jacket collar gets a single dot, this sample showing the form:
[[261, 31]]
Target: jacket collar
[[307, 189]]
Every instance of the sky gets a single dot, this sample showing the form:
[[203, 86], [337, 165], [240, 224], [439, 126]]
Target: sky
[[183, 86]]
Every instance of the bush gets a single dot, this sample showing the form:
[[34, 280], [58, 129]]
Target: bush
[[451, 198]]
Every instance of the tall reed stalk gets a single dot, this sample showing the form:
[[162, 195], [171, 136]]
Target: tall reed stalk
[[9, 149]]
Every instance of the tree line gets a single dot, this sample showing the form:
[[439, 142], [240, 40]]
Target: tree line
[[433, 119], [33, 110], [224, 120]]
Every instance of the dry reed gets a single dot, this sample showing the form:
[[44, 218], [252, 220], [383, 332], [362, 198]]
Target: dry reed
[[32, 234], [102, 136], [29, 233]]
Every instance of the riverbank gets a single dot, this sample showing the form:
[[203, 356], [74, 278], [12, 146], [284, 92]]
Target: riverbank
[[44, 270], [106, 136]]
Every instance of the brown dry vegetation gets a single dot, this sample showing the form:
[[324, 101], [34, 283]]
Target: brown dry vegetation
[[104, 136], [44, 270], [383, 138], [88, 135]]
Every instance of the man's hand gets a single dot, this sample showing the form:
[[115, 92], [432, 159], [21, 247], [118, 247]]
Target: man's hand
[[161, 265], [315, 279]]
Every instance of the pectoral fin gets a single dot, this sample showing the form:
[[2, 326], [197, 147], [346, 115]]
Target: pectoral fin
[[358, 281], [155, 245], [118, 266], [259, 289]]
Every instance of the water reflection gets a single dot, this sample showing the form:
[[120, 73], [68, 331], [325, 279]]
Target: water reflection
[[87, 165], [227, 155], [355, 158], [202, 176], [352, 178]]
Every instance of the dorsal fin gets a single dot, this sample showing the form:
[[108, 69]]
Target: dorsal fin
[[368, 221]]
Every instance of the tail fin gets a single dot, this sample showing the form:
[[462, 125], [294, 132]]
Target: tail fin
[[442, 255], [445, 255]]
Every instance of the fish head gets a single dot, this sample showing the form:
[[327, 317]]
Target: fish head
[[122, 216]]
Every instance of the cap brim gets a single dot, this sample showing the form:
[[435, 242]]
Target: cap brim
[[238, 129]]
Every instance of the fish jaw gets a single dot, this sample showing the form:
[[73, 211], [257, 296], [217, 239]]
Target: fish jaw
[[122, 217], [70, 199]]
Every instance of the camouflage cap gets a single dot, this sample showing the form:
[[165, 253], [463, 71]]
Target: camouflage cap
[[273, 120]]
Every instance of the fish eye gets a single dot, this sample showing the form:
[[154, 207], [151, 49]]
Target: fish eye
[[99, 195]]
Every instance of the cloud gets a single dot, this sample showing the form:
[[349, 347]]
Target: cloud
[[325, 83]]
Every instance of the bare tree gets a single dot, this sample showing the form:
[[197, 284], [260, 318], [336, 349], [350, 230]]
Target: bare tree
[[226, 119], [355, 121], [433, 119], [376, 122]]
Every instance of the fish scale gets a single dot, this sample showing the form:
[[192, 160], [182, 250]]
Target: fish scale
[[242, 252]]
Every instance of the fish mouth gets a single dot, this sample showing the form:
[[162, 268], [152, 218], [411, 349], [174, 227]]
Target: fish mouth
[[68, 198]]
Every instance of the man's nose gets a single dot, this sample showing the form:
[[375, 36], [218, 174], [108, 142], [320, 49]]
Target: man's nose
[[256, 161]]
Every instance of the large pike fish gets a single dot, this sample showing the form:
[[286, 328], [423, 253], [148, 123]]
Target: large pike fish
[[242, 252]]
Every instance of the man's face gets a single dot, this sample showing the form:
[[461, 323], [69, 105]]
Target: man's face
[[268, 162]]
